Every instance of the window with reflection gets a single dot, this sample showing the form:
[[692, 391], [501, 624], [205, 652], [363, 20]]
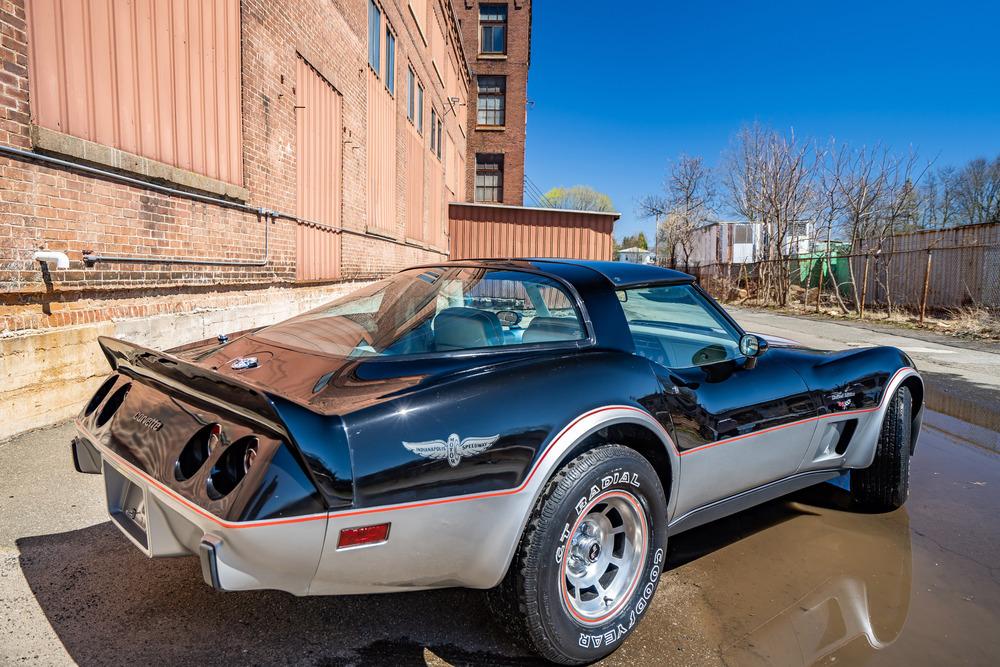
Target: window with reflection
[[491, 100], [445, 309], [493, 28], [677, 327]]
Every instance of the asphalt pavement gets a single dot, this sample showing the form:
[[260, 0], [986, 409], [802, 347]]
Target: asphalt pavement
[[797, 581]]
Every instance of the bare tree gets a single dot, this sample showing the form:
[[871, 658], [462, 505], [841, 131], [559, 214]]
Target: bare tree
[[770, 179], [830, 210], [686, 203], [977, 191]]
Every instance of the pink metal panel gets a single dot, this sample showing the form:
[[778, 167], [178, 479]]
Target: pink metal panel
[[159, 79], [437, 46], [415, 163], [437, 217], [319, 156], [381, 156], [514, 231], [419, 9]]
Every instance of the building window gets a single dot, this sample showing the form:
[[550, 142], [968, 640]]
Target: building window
[[489, 177], [411, 84], [374, 32], [420, 108], [742, 233], [434, 128], [390, 60], [493, 29], [440, 137], [492, 100]]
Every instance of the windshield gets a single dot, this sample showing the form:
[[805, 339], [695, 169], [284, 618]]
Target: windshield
[[437, 310], [677, 327]]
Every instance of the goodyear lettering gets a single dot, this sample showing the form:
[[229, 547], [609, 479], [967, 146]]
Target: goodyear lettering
[[615, 634]]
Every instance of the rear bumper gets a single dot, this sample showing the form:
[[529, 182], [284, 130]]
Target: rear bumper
[[280, 554]]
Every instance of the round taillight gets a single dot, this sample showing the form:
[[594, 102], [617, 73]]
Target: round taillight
[[196, 451], [232, 467], [102, 391], [112, 404]]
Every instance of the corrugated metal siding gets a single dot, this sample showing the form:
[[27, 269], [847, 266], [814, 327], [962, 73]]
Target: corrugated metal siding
[[419, 9], [511, 231], [157, 79], [381, 156], [437, 218], [437, 45], [965, 267], [451, 166], [414, 186], [319, 159]]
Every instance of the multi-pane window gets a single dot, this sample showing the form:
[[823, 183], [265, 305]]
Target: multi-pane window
[[411, 85], [420, 108], [390, 60], [492, 96], [493, 28], [374, 33], [489, 177]]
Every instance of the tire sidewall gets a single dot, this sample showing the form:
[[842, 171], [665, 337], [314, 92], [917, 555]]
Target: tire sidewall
[[635, 477]]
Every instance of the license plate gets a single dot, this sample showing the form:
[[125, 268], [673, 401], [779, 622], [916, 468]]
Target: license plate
[[127, 505]]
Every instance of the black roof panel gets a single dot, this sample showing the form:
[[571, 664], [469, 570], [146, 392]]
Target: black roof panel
[[624, 274], [619, 274]]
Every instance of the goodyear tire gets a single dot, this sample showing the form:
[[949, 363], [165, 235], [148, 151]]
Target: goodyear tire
[[589, 560], [885, 484]]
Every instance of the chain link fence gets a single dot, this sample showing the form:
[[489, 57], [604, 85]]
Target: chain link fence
[[935, 279]]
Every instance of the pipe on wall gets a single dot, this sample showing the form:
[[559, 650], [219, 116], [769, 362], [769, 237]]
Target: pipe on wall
[[90, 259]]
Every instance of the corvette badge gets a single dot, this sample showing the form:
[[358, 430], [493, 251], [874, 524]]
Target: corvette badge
[[452, 449]]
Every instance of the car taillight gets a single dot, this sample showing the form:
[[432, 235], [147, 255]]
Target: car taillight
[[112, 404], [356, 537], [196, 451], [232, 467]]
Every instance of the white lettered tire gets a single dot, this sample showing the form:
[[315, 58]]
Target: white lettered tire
[[590, 558]]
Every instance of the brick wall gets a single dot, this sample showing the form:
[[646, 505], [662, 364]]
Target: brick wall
[[514, 65], [45, 207]]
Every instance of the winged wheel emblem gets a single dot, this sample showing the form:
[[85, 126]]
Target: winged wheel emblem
[[453, 448]]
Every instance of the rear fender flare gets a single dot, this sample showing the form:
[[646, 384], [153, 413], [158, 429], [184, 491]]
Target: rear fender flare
[[564, 445]]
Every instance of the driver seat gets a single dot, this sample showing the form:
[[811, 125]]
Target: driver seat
[[464, 328]]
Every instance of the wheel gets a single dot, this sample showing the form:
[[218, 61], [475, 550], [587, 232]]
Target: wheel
[[885, 484], [589, 560]]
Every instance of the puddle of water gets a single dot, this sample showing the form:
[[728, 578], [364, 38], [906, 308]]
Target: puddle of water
[[804, 581]]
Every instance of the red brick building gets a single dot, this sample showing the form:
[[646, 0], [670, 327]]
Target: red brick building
[[497, 38], [208, 166]]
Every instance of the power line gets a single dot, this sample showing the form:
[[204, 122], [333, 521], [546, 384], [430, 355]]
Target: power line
[[536, 193]]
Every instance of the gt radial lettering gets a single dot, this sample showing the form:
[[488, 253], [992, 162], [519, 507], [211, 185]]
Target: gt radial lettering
[[453, 448]]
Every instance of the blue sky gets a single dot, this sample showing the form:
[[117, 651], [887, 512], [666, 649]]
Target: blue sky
[[617, 90]]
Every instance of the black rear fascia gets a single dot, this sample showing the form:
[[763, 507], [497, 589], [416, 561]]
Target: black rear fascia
[[311, 485]]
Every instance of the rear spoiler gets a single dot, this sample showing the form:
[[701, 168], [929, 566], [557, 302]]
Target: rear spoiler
[[318, 441], [191, 380]]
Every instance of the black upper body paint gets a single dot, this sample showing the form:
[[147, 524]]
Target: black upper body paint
[[331, 429]]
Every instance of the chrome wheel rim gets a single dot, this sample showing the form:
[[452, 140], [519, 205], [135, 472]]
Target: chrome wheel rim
[[604, 556]]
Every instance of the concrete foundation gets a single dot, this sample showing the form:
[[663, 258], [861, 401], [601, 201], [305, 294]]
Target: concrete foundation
[[49, 374]]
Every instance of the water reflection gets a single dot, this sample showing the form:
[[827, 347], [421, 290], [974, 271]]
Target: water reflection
[[819, 582]]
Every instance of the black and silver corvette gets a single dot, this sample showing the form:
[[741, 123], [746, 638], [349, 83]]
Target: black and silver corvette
[[535, 427]]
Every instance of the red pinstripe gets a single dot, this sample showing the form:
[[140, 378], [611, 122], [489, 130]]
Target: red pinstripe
[[452, 499]]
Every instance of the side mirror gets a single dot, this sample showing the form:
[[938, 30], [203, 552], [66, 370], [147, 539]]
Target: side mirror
[[751, 347]]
